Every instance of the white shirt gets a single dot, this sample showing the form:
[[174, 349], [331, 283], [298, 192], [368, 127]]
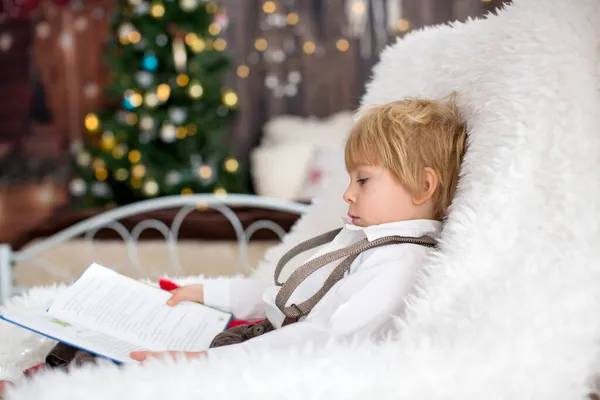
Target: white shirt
[[363, 303]]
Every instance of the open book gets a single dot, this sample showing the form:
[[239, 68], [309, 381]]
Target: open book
[[110, 315]]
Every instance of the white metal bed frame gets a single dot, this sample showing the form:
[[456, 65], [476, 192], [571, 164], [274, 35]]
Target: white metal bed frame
[[109, 219]]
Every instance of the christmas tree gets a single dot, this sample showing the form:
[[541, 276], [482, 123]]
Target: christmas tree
[[164, 134]]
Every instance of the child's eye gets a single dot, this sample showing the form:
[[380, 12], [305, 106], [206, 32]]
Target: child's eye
[[362, 181]]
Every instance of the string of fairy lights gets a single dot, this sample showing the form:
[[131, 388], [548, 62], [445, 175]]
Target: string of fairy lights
[[285, 34]]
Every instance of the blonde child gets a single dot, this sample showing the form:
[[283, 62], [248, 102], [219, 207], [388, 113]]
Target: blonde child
[[403, 160]]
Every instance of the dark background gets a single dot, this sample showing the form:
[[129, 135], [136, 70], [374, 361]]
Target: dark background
[[52, 75]]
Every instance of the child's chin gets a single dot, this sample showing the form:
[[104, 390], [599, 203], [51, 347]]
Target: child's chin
[[360, 222]]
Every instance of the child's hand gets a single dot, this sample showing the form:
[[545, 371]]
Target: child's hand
[[145, 355], [190, 293]]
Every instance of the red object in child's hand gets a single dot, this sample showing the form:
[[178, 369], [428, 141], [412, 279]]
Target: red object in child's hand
[[167, 285], [238, 322]]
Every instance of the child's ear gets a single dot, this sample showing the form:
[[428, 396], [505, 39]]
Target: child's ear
[[429, 186]]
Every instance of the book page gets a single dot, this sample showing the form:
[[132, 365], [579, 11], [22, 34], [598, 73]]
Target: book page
[[73, 334], [118, 306]]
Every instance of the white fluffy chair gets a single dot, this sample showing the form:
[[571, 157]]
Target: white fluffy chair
[[509, 308]]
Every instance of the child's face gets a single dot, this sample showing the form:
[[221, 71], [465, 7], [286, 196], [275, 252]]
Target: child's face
[[376, 197]]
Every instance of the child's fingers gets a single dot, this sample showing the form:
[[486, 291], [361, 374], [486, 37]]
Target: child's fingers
[[143, 355], [177, 297], [138, 355]]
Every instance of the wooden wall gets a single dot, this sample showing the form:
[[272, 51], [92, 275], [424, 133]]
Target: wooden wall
[[61, 47], [69, 59], [14, 80]]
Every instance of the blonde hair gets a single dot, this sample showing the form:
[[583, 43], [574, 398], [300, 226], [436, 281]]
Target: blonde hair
[[406, 137]]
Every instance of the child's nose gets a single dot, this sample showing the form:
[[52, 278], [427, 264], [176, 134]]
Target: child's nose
[[348, 196]]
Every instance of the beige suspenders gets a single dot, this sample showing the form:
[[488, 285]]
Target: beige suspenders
[[347, 255]]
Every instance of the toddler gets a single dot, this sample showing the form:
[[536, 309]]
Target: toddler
[[403, 161]]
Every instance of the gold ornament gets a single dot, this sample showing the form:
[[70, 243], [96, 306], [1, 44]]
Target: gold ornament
[[214, 29], [134, 156], [194, 42], [108, 141], [261, 44], [309, 47], [403, 25], [181, 132], [186, 191], [138, 171], [163, 91], [219, 191], [342, 45], [293, 18], [232, 165], [243, 71], [92, 123], [205, 172], [101, 174], [269, 7], [191, 38], [135, 99], [182, 80], [230, 99], [135, 37], [198, 46], [220, 44], [195, 90], [157, 10], [126, 33]]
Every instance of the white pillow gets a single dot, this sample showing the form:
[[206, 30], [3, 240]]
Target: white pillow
[[325, 161], [296, 153], [280, 171], [330, 131]]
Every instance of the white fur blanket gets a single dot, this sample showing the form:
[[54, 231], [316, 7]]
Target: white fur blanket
[[509, 307]]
